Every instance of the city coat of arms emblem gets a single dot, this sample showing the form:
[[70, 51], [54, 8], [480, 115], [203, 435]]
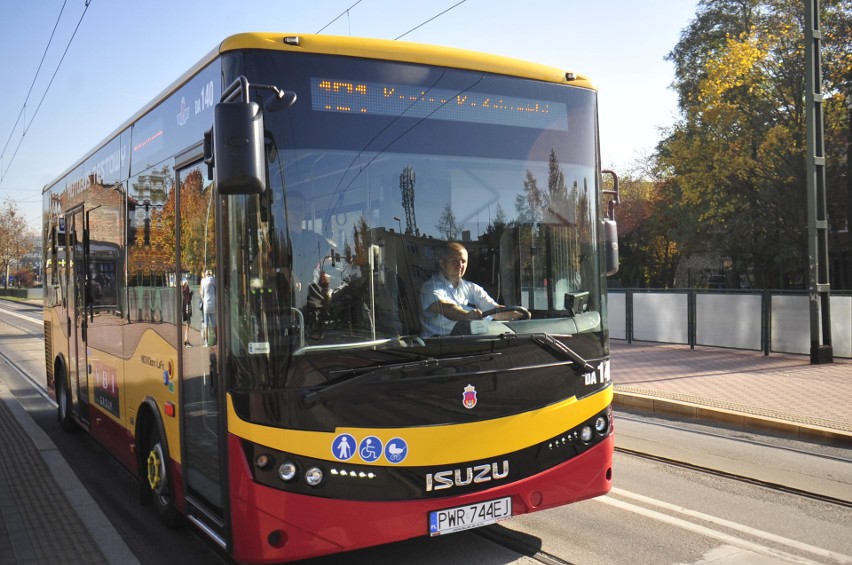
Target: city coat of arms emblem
[[469, 397]]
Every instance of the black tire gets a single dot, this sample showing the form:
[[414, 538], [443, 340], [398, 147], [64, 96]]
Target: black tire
[[159, 479], [64, 408]]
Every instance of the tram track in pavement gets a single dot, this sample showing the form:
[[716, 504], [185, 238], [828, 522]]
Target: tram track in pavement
[[18, 313], [777, 487], [735, 476], [518, 542], [23, 375]]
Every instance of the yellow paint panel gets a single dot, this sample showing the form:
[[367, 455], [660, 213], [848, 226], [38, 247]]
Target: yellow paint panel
[[436, 445], [144, 377]]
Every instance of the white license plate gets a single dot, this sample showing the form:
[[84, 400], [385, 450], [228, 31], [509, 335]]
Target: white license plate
[[470, 516]]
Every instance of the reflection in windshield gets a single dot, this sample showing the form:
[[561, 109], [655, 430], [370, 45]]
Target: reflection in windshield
[[335, 254], [356, 269]]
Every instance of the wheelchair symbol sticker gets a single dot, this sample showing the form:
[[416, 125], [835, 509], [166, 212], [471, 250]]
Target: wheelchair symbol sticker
[[396, 450], [370, 449], [343, 447]]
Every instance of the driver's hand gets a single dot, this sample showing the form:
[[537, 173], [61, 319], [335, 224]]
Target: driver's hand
[[475, 314]]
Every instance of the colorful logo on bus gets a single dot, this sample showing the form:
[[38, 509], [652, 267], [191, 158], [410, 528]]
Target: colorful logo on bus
[[469, 397]]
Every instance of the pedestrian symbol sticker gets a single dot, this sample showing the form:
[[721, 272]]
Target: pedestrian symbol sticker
[[370, 449], [396, 450], [343, 447]]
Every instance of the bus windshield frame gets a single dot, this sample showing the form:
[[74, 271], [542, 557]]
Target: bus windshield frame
[[368, 179]]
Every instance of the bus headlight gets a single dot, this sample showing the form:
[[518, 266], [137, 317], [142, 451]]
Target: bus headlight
[[287, 471], [601, 425], [263, 461], [586, 434], [313, 476]]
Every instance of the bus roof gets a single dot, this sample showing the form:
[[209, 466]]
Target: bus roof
[[384, 49], [403, 51]]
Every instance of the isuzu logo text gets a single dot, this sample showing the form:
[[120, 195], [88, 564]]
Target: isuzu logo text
[[463, 477]]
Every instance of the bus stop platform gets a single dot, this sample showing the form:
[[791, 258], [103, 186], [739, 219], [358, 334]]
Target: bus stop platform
[[779, 393], [46, 515]]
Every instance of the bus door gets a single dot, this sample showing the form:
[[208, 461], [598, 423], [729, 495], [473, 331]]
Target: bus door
[[78, 257], [202, 438]]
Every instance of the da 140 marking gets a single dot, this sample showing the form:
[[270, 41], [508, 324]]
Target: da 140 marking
[[462, 477], [600, 375]]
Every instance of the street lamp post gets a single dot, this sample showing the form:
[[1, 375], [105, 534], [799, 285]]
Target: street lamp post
[[849, 189], [819, 288]]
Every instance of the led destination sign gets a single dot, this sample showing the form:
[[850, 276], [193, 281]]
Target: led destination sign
[[384, 99]]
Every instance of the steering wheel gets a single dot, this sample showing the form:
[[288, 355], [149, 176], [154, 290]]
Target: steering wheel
[[520, 309]]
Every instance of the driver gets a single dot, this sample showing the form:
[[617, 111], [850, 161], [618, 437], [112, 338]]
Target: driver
[[447, 298]]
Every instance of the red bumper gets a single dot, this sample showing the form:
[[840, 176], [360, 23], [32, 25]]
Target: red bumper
[[272, 526]]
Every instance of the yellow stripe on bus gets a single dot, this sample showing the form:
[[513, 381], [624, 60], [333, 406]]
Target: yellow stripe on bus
[[435, 445]]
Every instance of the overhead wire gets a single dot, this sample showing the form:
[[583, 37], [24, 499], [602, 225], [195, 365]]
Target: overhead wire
[[418, 26], [58, 66], [46, 90], [436, 16], [38, 70], [346, 11]]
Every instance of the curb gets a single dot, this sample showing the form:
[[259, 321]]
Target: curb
[[678, 408]]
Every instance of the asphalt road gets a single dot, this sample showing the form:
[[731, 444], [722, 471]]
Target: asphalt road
[[657, 512]]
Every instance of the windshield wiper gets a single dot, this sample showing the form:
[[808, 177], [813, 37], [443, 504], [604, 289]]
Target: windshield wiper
[[352, 376], [549, 342]]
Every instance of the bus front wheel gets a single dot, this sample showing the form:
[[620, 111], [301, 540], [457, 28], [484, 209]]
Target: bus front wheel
[[63, 404], [160, 480]]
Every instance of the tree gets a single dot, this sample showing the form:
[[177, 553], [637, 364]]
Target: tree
[[736, 155], [447, 225], [15, 239], [655, 229]]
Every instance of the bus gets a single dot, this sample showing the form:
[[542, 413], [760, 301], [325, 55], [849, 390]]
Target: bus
[[234, 285]]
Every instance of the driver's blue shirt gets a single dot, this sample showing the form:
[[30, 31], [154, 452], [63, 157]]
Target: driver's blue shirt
[[438, 288]]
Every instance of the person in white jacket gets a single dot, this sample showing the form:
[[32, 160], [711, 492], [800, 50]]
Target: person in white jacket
[[208, 308]]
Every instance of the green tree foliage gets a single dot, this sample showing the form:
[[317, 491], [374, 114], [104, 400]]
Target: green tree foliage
[[653, 232], [735, 158]]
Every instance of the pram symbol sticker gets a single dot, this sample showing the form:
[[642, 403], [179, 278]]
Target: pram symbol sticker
[[396, 450]]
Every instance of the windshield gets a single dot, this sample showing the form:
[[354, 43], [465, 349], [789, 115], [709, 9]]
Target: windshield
[[375, 169]]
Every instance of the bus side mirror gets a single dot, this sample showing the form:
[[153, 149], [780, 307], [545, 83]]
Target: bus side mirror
[[609, 226], [238, 148], [610, 246]]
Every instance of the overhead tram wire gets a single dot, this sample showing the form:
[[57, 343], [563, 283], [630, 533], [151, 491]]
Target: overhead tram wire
[[46, 90], [346, 11], [38, 70], [436, 16]]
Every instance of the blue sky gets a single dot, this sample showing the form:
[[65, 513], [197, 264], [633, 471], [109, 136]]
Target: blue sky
[[126, 52]]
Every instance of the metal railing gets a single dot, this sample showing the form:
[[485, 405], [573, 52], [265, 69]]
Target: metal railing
[[768, 321]]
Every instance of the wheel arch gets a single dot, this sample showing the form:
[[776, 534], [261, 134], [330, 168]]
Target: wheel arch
[[148, 418]]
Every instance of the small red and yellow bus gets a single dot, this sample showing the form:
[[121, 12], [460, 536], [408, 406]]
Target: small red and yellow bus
[[239, 281]]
